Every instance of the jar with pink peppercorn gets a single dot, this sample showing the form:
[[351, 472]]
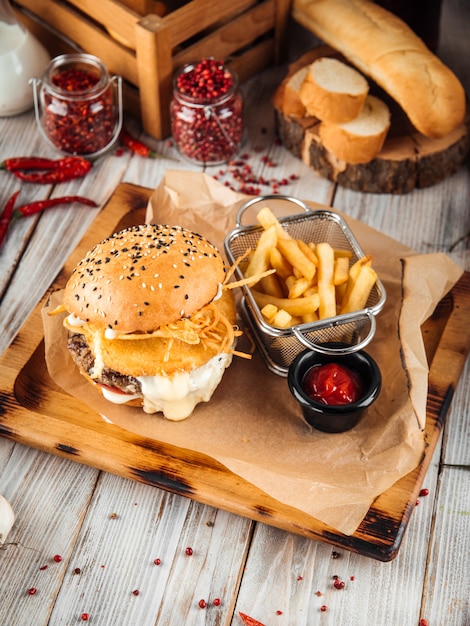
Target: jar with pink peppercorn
[[207, 112]]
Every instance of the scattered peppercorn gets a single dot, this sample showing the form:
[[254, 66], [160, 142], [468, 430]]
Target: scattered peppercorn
[[57, 558], [239, 177], [424, 492], [189, 551], [157, 561], [323, 608], [216, 601], [202, 604], [135, 592], [32, 591]]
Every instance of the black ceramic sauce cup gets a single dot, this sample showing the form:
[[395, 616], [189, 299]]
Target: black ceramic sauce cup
[[335, 418]]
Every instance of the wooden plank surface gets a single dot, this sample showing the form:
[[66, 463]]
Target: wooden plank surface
[[269, 573], [42, 415]]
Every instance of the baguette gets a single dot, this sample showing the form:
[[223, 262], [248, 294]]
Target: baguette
[[333, 91], [360, 140], [384, 48]]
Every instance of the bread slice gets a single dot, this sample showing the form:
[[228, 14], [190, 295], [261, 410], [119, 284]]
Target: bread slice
[[291, 103], [361, 139], [333, 91]]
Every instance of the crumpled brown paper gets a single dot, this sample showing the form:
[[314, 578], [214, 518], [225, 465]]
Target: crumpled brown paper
[[252, 425]]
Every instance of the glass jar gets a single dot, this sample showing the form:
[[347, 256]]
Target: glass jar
[[22, 56], [78, 105], [207, 112]]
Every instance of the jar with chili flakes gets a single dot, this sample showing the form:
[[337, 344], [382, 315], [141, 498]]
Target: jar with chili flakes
[[207, 112], [78, 105]]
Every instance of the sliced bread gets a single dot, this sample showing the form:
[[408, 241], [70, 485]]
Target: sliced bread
[[291, 103], [333, 91], [361, 139]]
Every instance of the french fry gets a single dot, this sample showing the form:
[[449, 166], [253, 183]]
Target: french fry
[[282, 319], [267, 219], [356, 295], [272, 286], [296, 307], [360, 263], [280, 264], [259, 261], [340, 252], [290, 280], [308, 318], [341, 270], [311, 291], [326, 288], [290, 250], [268, 312], [298, 287], [308, 251]]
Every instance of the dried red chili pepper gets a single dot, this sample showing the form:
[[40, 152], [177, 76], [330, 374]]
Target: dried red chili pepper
[[68, 169], [79, 115], [5, 218], [40, 205], [29, 163], [136, 146], [249, 621]]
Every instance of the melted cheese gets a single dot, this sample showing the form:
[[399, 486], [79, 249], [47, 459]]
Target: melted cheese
[[176, 396]]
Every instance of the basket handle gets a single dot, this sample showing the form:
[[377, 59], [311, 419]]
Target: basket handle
[[300, 203], [318, 347]]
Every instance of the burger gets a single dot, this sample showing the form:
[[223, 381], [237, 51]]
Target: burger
[[150, 320]]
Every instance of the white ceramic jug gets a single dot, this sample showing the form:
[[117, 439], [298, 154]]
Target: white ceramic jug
[[22, 57]]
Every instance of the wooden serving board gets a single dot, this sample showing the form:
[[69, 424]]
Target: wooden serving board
[[407, 161], [35, 412]]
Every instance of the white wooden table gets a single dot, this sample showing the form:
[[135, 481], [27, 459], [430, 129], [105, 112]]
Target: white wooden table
[[109, 530]]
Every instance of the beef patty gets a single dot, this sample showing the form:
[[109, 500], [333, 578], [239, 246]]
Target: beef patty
[[85, 361]]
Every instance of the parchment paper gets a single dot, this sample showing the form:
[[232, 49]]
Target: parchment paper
[[252, 425]]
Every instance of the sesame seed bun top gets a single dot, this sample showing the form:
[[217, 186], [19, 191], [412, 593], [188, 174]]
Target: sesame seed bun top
[[144, 277]]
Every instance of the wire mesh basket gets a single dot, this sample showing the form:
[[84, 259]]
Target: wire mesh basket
[[279, 346]]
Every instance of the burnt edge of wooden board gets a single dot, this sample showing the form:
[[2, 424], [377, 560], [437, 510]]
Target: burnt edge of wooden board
[[379, 535]]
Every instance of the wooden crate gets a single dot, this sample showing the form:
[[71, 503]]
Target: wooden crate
[[146, 50]]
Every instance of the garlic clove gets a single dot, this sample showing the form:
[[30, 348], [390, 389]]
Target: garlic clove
[[7, 519]]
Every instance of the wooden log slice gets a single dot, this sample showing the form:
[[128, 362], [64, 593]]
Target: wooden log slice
[[407, 161]]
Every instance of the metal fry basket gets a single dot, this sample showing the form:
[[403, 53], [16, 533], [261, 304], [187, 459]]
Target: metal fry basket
[[279, 346]]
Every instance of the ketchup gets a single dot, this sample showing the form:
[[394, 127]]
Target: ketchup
[[332, 383]]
